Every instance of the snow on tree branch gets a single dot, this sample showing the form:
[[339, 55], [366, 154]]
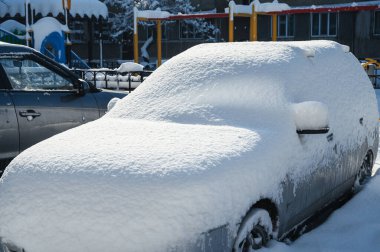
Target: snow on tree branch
[[121, 15]]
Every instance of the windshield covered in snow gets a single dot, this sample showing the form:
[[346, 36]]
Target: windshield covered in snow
[[211, 83]]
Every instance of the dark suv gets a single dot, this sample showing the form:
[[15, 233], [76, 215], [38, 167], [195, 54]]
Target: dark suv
[[40, 98]]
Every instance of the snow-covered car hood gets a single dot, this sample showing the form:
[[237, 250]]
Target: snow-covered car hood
[[138, 185]]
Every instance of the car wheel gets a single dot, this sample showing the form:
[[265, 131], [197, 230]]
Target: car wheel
[[254, 232], [365, 170]]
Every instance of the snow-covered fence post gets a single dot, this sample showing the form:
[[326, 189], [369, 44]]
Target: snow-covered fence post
[[159, 43], [231, 8], [135, 36]]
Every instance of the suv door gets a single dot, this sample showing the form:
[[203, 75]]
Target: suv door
[[9, 138], [45, 99]]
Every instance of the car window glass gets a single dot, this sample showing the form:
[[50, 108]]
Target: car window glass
[[26, 74]]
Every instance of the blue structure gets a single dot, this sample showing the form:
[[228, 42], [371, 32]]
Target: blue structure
[[54, 46]]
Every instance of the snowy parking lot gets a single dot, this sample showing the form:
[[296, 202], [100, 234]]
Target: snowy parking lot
[[353, 227]]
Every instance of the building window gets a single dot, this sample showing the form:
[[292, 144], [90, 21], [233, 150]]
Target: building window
[[285, 24], [376, 27], [189, 31], [324, 24]]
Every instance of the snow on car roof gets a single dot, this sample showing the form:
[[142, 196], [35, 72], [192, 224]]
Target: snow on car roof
[[208, 132], [237, 83]]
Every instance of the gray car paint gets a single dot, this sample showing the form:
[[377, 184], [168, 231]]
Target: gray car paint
[[325, 185]]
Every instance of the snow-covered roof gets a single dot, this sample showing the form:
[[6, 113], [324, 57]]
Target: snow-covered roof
[[341, 5], [11, 25], [152, 14], [209, 132], [78, 7], [259, 7]]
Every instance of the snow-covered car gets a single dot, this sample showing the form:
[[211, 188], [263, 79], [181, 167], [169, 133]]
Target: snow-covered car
[[222, 148]]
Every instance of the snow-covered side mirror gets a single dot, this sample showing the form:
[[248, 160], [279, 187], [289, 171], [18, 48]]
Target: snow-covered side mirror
[[311, 117], [112, 103]]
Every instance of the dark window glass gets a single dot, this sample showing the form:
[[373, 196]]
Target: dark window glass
[[282, 26], [285, 24], [377, 22], [323, 24], [332, 24], [291, 25], [29, 75], [315, 24]]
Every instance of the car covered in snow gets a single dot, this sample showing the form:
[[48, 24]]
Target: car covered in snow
[[222, 148], [40, 98]]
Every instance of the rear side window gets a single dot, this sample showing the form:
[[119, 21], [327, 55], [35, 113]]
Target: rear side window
[[26, 74]]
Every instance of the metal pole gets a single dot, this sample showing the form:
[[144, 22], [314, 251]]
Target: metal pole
[[252, 21], [135, 36], [231, 22], [274, 27], [101, 42], [159, 43], [254, 28], [27, 26]]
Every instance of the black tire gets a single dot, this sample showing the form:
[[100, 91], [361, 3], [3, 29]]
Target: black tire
[[254, 232], [365, 170]]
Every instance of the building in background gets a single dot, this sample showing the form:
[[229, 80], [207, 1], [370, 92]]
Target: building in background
[[356, 24]]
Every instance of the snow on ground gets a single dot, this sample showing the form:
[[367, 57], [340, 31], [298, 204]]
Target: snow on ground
[[353, 227]]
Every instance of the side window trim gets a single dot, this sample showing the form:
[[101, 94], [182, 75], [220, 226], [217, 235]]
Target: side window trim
[[40, 61]]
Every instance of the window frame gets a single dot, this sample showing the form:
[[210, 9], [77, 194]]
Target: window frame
[[286, 26], [319, 35], [374, 23], [42, 62]]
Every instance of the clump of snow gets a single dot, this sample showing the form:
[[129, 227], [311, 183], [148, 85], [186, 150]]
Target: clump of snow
[[345, 48], [259, 7], [151, 14], [130, 67], [191, 149], [309, 52], [310, 115]]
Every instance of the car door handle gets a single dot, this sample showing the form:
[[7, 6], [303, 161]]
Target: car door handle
[[29, 113]]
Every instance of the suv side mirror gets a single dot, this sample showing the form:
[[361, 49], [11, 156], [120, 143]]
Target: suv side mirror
[[311, 117], [80, 87]]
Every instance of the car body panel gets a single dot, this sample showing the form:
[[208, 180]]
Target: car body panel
[[9, 137]]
